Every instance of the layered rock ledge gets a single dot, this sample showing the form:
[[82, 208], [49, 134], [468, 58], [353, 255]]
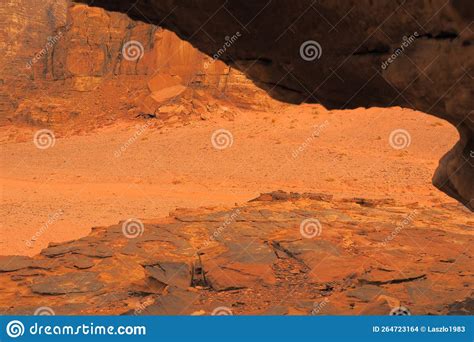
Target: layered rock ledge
[[278, 254]]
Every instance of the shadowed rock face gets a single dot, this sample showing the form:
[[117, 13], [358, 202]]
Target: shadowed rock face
[[368, 53]]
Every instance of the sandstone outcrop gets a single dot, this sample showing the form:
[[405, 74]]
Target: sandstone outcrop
[[282, 254], [344, 54]]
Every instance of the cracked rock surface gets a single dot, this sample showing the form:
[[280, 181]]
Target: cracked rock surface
[[278, 254]]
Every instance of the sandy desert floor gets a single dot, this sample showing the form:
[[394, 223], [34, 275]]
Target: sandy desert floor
[[142, 169]]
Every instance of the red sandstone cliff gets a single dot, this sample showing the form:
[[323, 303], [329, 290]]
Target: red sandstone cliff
[[66, 64]]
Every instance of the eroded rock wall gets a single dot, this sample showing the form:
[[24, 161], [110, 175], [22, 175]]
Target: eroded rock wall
[[66, 64], [24, 29]]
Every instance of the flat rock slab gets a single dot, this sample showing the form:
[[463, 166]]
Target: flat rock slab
[[82, 262], [366, 293], [57, 250], [248, 251], [68, 283], [254, 259], [390, 277], [238, 275], [174, 302], [15, 263], [292, 196], [95, 251], [465, 307], [171, 273]]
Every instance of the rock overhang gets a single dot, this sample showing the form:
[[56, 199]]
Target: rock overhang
[[343, 54]]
